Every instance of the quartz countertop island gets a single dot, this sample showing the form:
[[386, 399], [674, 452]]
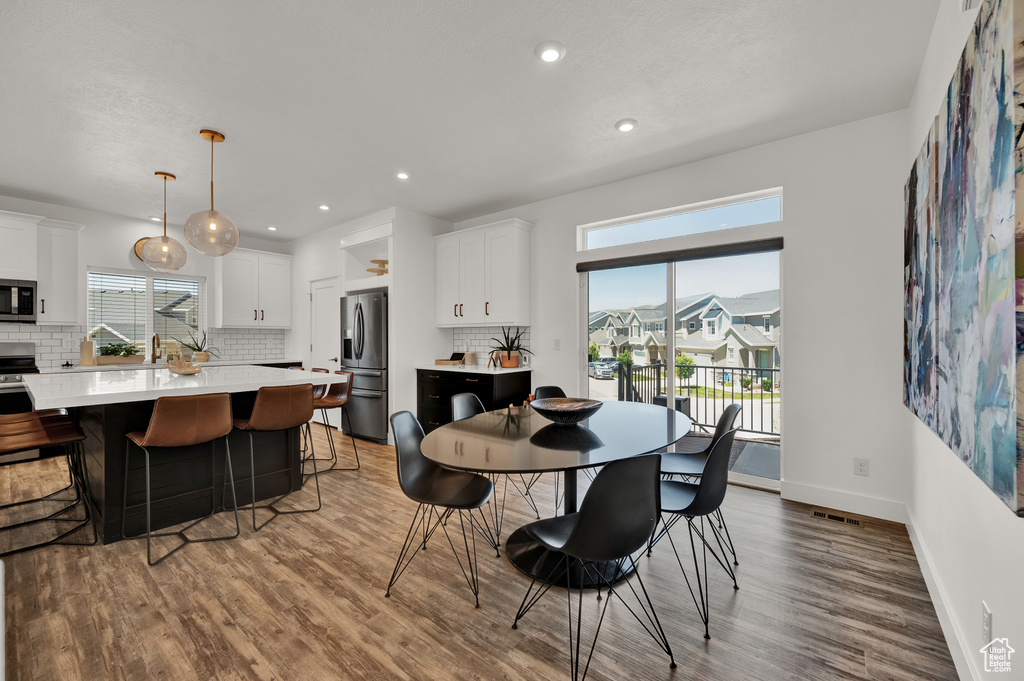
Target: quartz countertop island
[[84, 389]]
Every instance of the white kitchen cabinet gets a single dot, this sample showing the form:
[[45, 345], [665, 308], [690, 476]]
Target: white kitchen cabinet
[[252, 289], [483, 275], [18, 247], [58, 274]]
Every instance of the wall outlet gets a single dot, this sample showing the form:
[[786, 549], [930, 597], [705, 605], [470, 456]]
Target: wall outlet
[[558, 344], [986, 623], [861, 467]]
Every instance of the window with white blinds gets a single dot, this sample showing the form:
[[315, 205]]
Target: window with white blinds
[[130, 308]]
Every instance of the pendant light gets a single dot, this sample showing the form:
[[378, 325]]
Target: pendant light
[[208, 231], [162, 253]]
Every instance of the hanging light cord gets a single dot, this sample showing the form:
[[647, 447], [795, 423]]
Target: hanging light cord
[[165, 206], [211, 173]]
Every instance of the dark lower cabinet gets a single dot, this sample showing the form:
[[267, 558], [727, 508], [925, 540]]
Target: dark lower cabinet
[[435, 389]]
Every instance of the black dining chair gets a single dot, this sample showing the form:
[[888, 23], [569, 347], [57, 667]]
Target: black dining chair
[[694, 502], [468, 405], [440, 492], [616, 517], [690, 466], [546, 392]]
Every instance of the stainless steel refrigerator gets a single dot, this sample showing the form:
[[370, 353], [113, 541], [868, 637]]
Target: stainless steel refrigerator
[[364, 352]]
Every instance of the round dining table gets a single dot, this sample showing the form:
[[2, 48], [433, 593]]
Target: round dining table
[[520, 440]]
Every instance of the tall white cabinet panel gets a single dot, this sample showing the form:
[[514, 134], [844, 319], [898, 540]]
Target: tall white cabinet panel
[[447, 274], [483, 275], [252, 289], [58, 274], [18, 246], [275, 291], [472, 271]]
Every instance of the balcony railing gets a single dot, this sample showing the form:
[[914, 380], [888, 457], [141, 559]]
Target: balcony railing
[[710, 390]]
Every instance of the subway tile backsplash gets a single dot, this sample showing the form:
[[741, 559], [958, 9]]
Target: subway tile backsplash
[[254, 345], [478, 339]]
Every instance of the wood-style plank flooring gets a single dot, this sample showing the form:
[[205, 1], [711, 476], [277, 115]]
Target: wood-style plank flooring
[[304, 599]]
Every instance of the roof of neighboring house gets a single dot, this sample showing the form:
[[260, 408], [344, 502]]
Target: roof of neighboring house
[[751, 335], [760, 302], [698, 342], [712, 312], [616, 341], [657, 336], [688, 302], [649, 313]]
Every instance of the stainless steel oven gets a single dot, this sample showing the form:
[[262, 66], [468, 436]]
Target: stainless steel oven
[[17, 301]]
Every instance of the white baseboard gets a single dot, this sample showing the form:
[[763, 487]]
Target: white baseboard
[[860, 504], [959, 648]]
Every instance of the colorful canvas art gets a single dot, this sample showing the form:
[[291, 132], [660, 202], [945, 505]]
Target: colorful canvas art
[[960, 353]]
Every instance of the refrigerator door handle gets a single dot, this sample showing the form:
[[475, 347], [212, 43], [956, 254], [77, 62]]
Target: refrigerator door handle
[[359, 330], [373, 394]]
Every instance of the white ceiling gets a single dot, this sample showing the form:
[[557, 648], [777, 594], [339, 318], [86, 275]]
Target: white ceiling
[[323, 100]]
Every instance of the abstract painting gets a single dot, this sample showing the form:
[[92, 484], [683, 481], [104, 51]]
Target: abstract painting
[[960, 349]]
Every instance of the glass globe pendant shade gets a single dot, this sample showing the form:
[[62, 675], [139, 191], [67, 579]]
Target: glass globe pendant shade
[[211, 233], [164, 254]]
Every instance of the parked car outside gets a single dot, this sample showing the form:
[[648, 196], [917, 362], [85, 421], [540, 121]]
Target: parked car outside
[[601, 370]]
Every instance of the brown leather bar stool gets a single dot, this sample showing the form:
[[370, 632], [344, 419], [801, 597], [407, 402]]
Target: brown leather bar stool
[[40, 430], [318, 392], [336, 397], [280, 408], [182, 422]]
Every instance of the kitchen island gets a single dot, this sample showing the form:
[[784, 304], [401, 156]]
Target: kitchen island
[[108, 405]]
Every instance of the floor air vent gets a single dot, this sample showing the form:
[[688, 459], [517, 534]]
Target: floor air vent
[[835, 516]]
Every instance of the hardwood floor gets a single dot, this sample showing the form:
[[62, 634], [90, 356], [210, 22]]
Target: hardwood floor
[[304, 599]]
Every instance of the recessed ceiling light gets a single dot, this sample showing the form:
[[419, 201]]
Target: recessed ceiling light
[[402, 175], [625, 125], [154, 218], [272, 228], [550, 52], [325, 207]]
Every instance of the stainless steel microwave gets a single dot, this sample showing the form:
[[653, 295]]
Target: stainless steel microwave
[[17, 301]]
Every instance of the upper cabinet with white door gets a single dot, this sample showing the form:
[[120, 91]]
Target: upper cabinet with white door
[[483, 275], [252, 289], [58, 276], [18, 246]]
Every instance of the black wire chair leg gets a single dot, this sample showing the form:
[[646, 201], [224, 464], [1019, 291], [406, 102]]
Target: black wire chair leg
[[702, 602], [407, 552], [471, 570], [546, 583], [524, 491], [483, 527], [722, 525]]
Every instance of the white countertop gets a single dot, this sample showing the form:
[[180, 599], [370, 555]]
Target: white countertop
[[69, 389], [474, 369], [147, 366]]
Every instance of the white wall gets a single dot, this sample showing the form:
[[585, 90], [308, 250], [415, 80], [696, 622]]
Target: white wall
[[971, 546], [843, 251]]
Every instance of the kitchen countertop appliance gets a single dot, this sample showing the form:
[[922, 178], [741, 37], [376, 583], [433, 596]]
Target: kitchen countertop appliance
[[364, 352]]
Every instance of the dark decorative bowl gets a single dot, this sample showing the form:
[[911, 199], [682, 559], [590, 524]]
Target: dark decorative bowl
[[566, 411]]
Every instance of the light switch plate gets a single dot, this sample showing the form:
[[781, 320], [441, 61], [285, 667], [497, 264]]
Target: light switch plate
[[558, 344]]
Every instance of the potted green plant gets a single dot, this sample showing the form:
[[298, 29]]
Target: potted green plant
[[201, 349], [510, 346], [119, 353]]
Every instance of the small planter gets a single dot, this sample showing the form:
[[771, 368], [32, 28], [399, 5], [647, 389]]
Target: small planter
[[509, 360], [119, 359], [200, 357]]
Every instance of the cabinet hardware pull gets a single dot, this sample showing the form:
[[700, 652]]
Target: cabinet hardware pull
[[333, 359], [460, 310], [472, 380], [254, 315], [261, 315], [433, 423], [486, 305], [42, 302], [455, 310], [434, 397], [433, 376]]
